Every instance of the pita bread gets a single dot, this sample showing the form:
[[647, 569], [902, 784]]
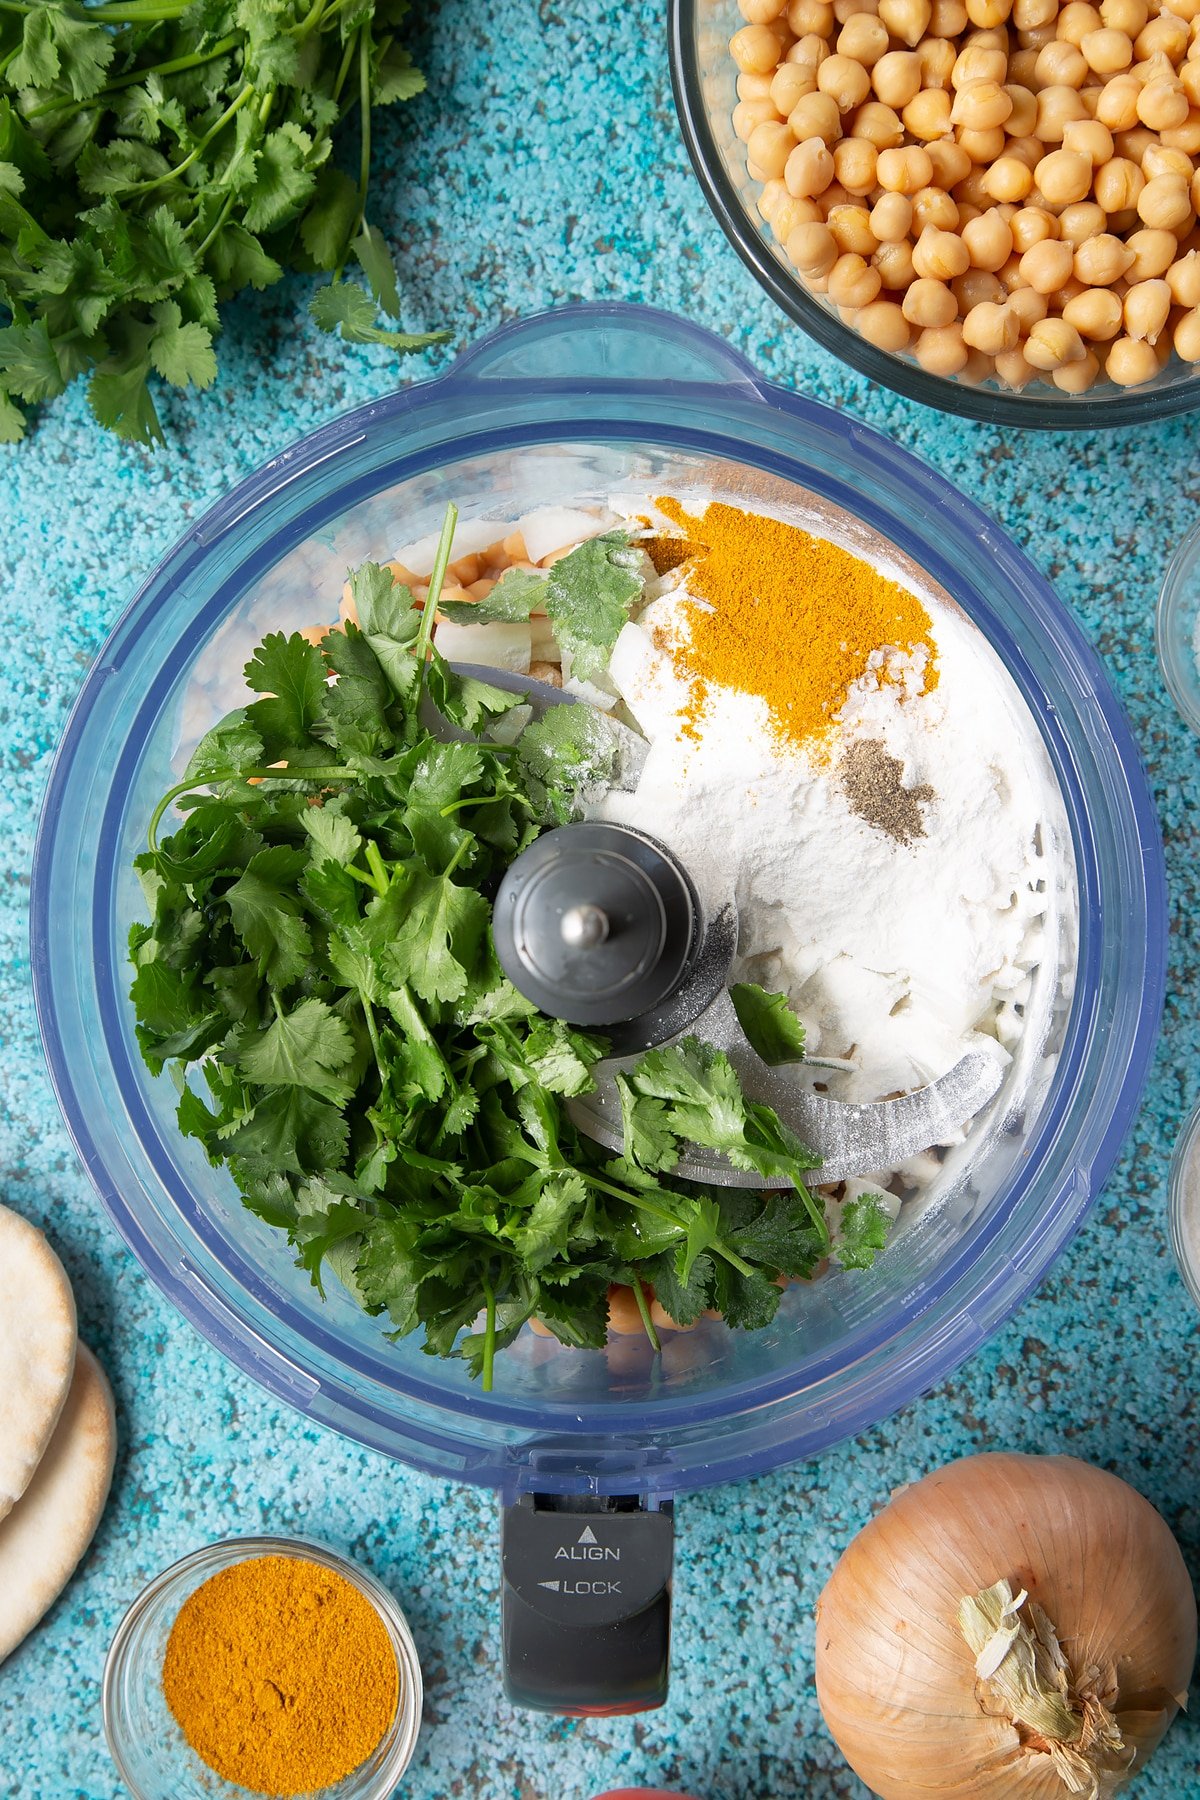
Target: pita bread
[[37, 1351], [47, 1532]]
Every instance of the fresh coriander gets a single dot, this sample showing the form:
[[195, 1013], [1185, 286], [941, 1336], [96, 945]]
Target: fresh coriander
[[155, 159], [319, 969], [772, 1029]]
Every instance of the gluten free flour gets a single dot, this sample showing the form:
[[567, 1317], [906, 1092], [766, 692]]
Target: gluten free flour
[[895, 873]]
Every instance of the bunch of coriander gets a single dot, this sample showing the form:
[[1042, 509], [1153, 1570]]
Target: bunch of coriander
[[157, 157]]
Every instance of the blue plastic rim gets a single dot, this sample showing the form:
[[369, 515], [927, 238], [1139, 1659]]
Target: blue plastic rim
[[536, 412]]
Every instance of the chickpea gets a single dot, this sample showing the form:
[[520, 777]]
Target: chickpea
[[770, 145], [976, 286], [1187, 336], [754, 87], [842, 9], [940, 254], [978, 62], [1189, 77], [1032, 225], [991, 328], [927, 115], [1088, 137], [755, 49], [1029, 307], [1012, 371], [1124, 15], [1008, 179], [760, 12], [1165, 36], [896, 77], [891, 218], [934, 206], [1118, 184], [883, 324], [1096, 314], [809, 169], [907, 19], [845, 81], [904, 171], [929, 303], [1107, 52], [1147, 309], [1077, 377], [1101, 260], [792, 212], [937, 60], [789, 85], [1117, 105], [834, 195], [972, 192], [852, 281], [1056, 107], [809, 53], [1063, 177], [948, 18], [878, 124], [813, 249], [989, 241], [941, 350], [896, 268], [816, 115], [1082, 221], [983, 147], [1134, 143], [1183, 279], [1131, 361], [1022, 68], [851, 226], [1164, 203], [1047, 266], [1159, 160], [1194, 192], [981, 106], [979, 367], [748, 115], [951, 164], [1060, 65], [804, 16], [854, 165], [1052, 343], [1153, 253], [1076, 20], [1162, 105], [1027, 15], [1185, 137], [988, 13], [864, 38]]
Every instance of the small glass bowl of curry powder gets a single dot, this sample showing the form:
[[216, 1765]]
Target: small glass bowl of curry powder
[[264, 1666]]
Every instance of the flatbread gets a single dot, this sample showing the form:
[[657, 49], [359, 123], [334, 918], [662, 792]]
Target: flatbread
[[47, 1532], [37, 1351]]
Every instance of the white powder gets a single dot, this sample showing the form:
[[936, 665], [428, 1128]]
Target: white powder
[[897, 956]]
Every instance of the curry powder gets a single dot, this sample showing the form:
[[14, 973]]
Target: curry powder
[[789, 617], [281, 1675]]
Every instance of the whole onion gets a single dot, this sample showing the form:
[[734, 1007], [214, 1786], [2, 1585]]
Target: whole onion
[[1015, 1627]]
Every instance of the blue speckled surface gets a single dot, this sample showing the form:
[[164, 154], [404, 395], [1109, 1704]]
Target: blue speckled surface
[[545, 165]]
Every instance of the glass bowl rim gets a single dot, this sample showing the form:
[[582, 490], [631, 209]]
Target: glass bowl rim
[[1187, 1144], [1169, 608], [945, 393], [228, 1552]]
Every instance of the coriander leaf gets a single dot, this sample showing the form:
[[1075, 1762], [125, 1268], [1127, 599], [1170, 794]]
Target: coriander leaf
[[588, 598], [327, 225], [239, 260], [774, 1230], [308, 1047], [748, 1302], [862, 1232], [324, 1219], [12, 421], [517, 594], [562, 1058], [438, 935], [772, 1029], [375, 260], [357, 702], [290, 672], [290, 1130], [389, 1271], [266, 914], [333, 836], [567, 750], [29, 365], [648, 1139], [36, 63], [283, 180], [232, 744], [119, 398], [394, 77], [182, 353], [683, 1301], [85, 51], [464, 700], [346, 308], [546, 1231]]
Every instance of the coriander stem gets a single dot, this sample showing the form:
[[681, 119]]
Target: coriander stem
[[437, 581], [489, 1338], [231, 111], [457, 857], [377, 867], [639, 1295], [640, 1204], [364, 101], [197, 786]]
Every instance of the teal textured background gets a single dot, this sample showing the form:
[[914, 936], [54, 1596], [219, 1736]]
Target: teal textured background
[[545, 165]]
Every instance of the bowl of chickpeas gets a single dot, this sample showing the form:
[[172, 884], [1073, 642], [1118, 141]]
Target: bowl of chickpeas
[[988, 205]]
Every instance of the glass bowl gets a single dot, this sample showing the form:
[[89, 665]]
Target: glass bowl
[[1177, 629], [1184, 1188], [704, 76], [576, 403], [153, 1757]]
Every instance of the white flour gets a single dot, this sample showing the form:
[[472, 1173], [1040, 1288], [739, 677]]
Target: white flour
[[896, 956]]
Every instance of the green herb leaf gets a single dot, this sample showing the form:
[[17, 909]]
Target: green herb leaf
[[772, 1029]]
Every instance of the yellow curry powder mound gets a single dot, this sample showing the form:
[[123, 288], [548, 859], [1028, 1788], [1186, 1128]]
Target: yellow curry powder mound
[[281, 1675], [789, 617]]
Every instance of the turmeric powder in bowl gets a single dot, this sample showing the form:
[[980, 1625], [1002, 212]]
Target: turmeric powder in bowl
[[281, 1674]]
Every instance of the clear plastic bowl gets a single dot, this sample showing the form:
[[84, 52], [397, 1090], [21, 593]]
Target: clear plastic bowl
[[155, 1760], [1183, 1205], [1177, 629], [545, 411], [704, 77]]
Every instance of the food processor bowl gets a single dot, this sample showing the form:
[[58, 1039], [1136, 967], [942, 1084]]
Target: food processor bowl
[[704, 78], [578, 403]]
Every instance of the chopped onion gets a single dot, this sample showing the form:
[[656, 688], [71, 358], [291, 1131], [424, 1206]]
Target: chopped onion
[[470, 536], [549, 528], [1010, 1628], [497, 646]]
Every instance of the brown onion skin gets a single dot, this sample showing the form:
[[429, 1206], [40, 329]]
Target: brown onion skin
[[1090, 1550]]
